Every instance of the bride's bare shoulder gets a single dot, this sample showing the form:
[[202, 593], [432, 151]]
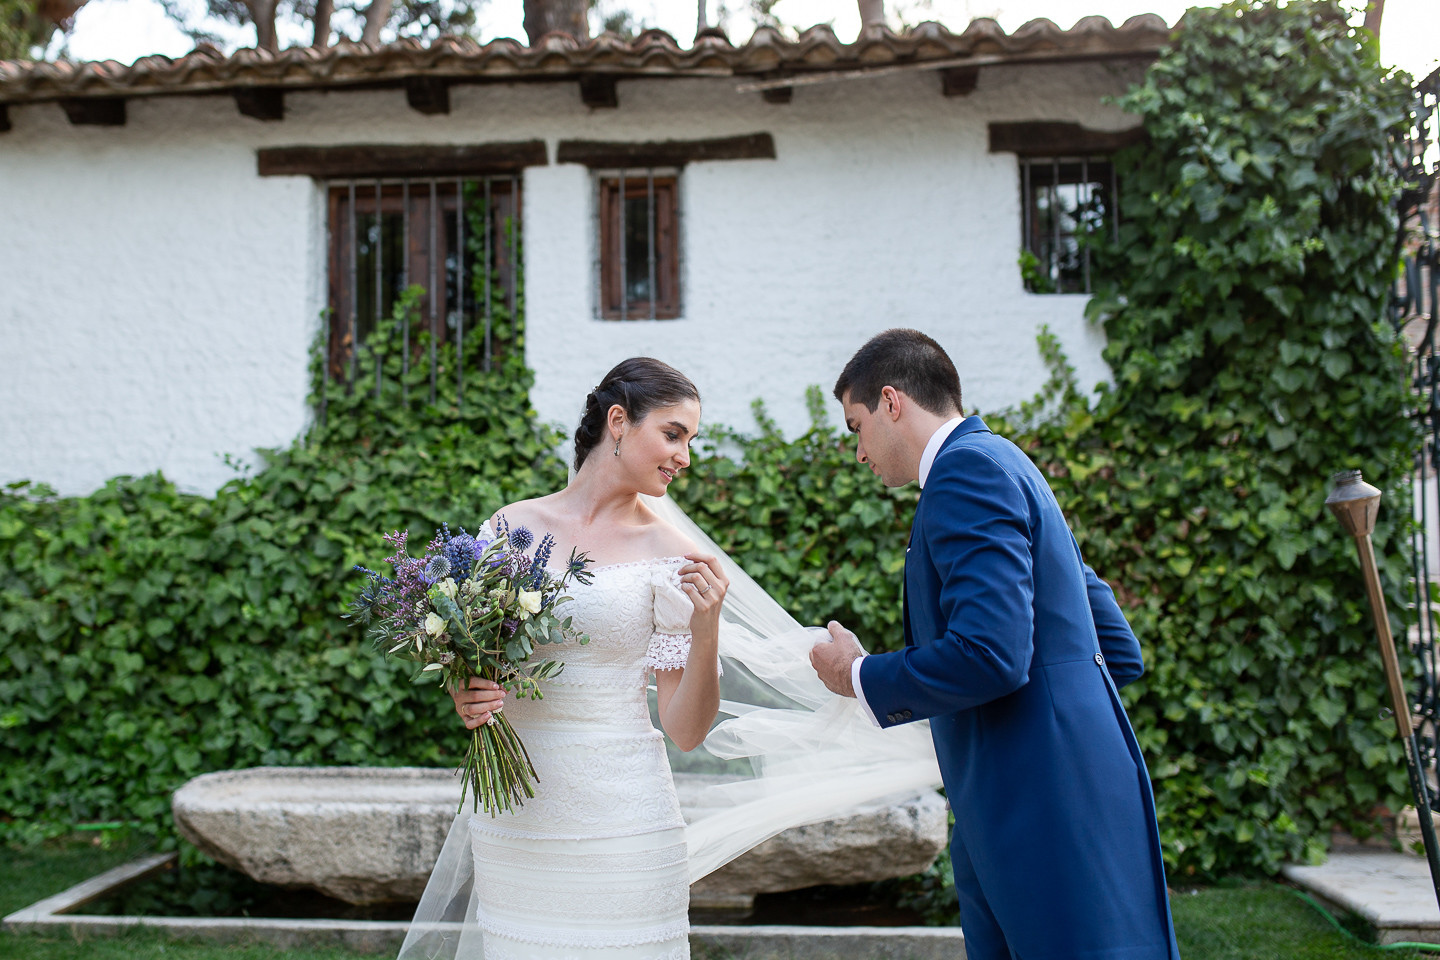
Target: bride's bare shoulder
[[667, 540], [532, 512]]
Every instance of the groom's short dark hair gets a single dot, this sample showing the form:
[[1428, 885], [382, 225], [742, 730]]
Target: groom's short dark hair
[[907, 360]]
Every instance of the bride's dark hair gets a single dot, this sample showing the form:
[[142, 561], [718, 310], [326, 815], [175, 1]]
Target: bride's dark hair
[[638, 385]]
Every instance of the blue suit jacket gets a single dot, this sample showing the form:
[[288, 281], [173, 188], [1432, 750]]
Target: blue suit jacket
[[1014, 650]]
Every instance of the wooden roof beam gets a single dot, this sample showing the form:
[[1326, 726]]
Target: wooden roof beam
[[959, 81], [603, 154], [428, 95], [95, 111], [364, 161], [1059, 138], [261, 103], [599, 91]]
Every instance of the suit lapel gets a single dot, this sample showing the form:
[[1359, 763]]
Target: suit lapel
[[967, 426], [905, 582]]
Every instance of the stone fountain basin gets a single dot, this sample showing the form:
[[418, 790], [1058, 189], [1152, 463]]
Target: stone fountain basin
[[372, 834]]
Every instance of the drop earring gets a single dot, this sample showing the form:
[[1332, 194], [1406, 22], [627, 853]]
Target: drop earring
[[617, 446]]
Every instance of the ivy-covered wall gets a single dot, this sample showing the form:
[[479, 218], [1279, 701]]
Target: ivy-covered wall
[[147, 636]]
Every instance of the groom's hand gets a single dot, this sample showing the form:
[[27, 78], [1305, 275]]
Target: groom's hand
[[832, 659]]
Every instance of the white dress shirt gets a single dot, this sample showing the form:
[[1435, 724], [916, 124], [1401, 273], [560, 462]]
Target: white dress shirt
[[927, 460]]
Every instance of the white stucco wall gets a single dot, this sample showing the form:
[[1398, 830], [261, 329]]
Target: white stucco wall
[[157, 297]]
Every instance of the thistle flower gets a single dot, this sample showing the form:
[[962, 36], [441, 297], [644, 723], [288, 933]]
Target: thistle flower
[[437, 568], [576, 567], [521, 538]]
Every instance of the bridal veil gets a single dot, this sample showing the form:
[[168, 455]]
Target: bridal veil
[[784, 752]]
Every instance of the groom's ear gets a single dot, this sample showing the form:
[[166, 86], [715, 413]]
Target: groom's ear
[[891, 402]]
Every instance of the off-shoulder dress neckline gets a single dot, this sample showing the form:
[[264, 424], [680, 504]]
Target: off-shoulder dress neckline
[[594, 568]]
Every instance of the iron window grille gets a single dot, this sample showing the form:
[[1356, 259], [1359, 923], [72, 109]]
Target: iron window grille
[[1067, 203], [388, 234], [639, 245]]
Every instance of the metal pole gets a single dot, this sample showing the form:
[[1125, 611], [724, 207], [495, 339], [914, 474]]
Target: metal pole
[[514, 258], [405, 282], [650, 234], [1079, 228], [1027, 202], [489, 234], [354, 286], [434, 331], [379, 277], [1356, 504], [459, 292], [624, 274]]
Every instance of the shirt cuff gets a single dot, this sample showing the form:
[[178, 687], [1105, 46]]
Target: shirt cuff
[[859, 692]]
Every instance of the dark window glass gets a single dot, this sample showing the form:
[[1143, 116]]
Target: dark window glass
[[639, 247], [1067, 205]]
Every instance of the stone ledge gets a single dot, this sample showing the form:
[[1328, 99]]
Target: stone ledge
[[1389, 890], [385, 937], [372, 834]]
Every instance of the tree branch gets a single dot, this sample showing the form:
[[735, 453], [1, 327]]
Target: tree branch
[[376, 16], [321, 38]]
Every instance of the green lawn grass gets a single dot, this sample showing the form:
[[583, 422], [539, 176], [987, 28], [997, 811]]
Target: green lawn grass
[[1258, 921]]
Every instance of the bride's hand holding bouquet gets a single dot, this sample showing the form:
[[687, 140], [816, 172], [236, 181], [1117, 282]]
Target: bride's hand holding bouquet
[[472, 608]]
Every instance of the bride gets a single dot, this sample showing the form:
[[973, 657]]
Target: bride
[[599, 863]]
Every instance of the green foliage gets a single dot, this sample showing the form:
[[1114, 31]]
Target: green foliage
[[24, 33], [1243, 325], [1243, 316], [806, 521], [147, 635]]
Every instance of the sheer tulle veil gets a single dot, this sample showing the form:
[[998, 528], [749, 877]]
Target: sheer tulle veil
[[783, 752]]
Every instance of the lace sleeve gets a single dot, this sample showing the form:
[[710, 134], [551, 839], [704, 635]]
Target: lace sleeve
[[670, 641]]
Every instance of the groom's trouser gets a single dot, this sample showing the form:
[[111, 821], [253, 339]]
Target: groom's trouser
[[984, 940]]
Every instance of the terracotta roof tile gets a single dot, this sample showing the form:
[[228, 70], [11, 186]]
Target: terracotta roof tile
[[768, 55]]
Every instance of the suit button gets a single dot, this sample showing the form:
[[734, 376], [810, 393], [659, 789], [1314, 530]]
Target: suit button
[[890, 717], [905, 715], [1099, 659]]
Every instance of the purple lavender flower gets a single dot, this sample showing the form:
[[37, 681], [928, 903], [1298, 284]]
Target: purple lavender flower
[[542, 557], [510, 626]]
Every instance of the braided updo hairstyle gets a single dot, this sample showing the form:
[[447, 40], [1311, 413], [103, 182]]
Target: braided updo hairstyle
[[638, 385]]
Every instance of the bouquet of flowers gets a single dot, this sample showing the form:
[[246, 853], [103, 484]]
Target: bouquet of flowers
[[477, 608]]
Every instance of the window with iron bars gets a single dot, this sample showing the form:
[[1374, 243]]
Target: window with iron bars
[[457, 238], [639, 245], [1067, 204]]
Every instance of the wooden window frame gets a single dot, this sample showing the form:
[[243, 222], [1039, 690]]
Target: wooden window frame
[[419, 256], [666, 301], [1031, 240]]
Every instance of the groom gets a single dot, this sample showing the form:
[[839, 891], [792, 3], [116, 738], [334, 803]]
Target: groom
[[1014, 650]]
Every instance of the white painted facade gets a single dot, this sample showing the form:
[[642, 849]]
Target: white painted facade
[[158, 297]]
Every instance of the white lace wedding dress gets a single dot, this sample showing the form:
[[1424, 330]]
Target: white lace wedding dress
[[598, 865], [595, 865]]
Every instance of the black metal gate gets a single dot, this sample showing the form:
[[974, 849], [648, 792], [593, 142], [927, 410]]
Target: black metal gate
[[1414, 313]]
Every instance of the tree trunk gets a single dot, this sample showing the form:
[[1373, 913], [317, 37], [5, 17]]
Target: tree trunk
[[871, 12], [1374, 13], [323, 10], [566, 16], [263, 13], [376, 16]]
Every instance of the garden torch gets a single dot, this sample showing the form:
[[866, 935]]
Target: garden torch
[[1356, 504]]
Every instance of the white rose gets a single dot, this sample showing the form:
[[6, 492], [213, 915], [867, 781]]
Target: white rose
[[447, 587], [434, 625], [530, 601]]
